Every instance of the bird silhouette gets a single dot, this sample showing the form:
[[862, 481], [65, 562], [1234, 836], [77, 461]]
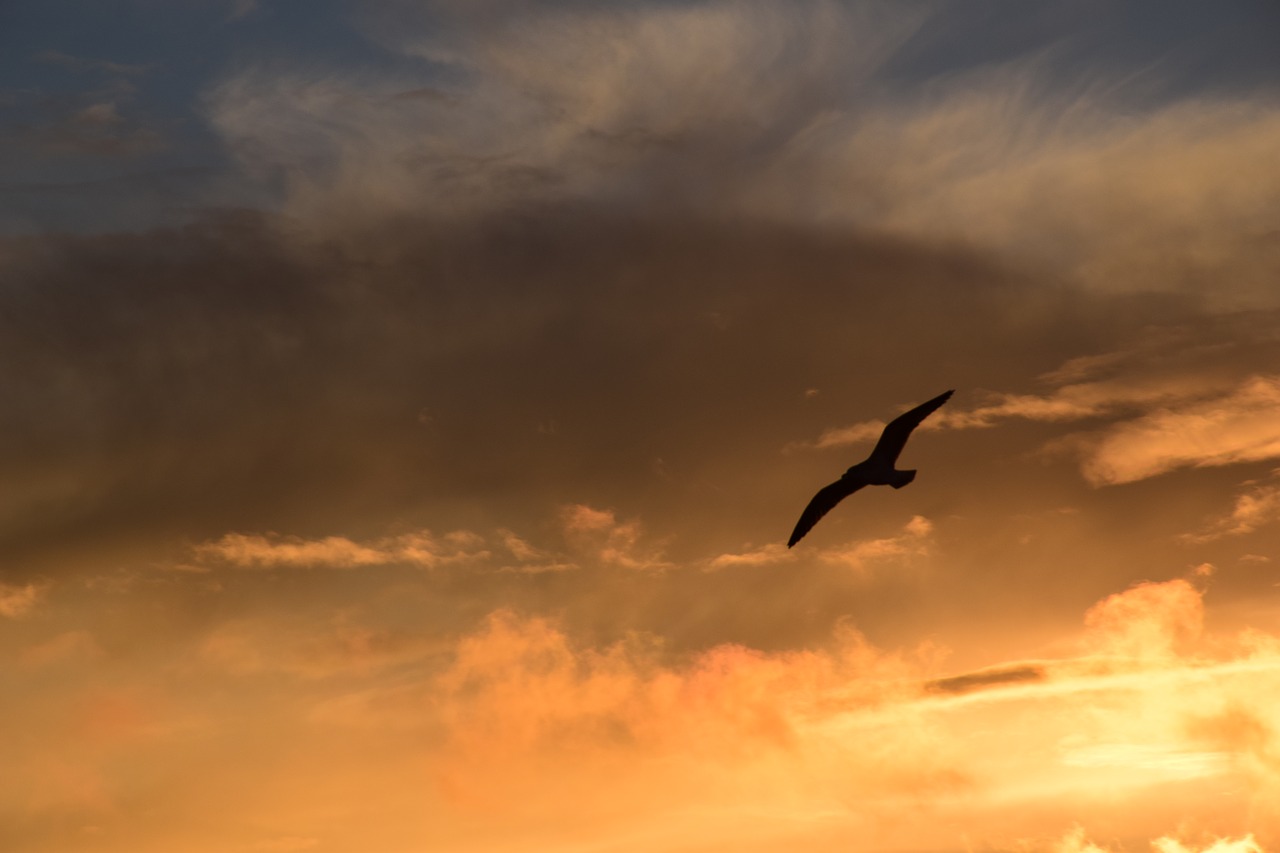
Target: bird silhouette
[[876, 470]]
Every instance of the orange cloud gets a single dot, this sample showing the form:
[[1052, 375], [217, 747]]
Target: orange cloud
[[1159, 423], [1068, 403], [527, 735], [1149, 620], [67, 647], [912, 542], [1240, 426], [1148, 709], [1253, 509], [336, 552], [774, 552], [598, 535], [16, 601], [340, 647]]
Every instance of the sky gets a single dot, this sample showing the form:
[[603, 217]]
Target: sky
[[407, 403]]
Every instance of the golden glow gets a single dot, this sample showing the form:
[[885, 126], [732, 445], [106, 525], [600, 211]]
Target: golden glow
[[422, 484]]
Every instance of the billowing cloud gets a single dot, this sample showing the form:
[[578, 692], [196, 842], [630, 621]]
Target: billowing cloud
[[1123, 707], [536, 725], [1149, 620]]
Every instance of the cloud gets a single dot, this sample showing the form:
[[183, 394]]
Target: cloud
[[587, 536], [338, 647], [1172, 411], [1148, 704], [1076, 841], [1242, 425], [1245, 844], [1132, 393], [523, 731], [774, 552], [531, 559], [522, 686], [913, 541], [17, 601], [1148, 620], [420, 548], [598, 535], [774, 117], [1254, 508], [560, 101], [988, 678], [67, 647]]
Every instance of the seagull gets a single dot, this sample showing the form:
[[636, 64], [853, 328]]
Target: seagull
[[876, 470]]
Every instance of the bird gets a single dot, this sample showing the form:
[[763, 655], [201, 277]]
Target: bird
[[876, 470]]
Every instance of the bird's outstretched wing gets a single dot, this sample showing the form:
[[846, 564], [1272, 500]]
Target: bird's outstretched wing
[[895, 435], [826, 498]]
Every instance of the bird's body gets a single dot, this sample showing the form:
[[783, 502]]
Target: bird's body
[[876, 470]]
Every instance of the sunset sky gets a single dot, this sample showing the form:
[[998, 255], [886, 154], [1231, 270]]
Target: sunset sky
[[406, 403]]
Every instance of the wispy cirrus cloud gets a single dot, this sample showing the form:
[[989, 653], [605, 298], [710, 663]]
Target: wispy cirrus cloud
[[779, 118]]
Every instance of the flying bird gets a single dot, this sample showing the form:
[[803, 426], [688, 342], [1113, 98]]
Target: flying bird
[[876, 470]]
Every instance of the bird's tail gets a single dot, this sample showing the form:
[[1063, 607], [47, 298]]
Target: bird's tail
[[901, 478]]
